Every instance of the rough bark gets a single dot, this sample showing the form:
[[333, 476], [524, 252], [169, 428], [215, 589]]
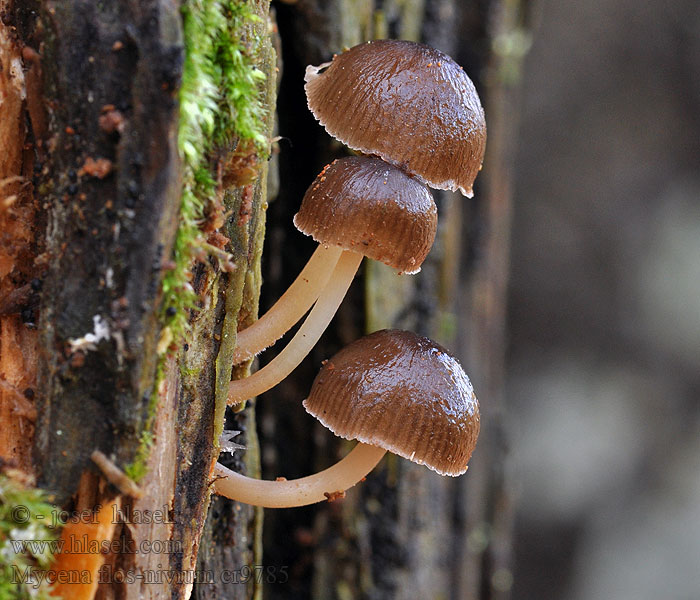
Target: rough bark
[[111, 199], [104, 128], [18, 336], [111, 192]]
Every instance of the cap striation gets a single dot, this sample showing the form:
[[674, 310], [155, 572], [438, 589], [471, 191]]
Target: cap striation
[[366, 205], [404, 393], [406, 102]]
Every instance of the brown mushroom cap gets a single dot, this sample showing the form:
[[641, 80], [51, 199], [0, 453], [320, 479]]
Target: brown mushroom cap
[[406, 102], [404, 393], [368, 206]]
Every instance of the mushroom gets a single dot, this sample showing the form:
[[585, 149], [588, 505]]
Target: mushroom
[[358, 206], [406, 102], [391, 390]]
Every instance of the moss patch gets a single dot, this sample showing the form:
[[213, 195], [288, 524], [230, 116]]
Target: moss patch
[[25, 516], [220, 109], [219, 103]]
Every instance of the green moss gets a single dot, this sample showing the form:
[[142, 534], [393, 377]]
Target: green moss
[[234, 301], [243, 287], [25, 516], [189, 372], [139, 467], [220, 104]]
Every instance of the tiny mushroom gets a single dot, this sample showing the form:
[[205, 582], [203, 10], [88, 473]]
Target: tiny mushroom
[[357, 206], [406, 102], [392, 391]]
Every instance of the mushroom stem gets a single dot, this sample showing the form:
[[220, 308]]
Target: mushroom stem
[[307, 336], [299, 492], [290, 307]]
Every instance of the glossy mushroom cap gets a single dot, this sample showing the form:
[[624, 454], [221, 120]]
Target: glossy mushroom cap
[[406, 102], [402, 392], [368, 206]]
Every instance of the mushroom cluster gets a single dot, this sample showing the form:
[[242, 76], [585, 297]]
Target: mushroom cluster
[[417, 120], [360, 206], [417, 110]]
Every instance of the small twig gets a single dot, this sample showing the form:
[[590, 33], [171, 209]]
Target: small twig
[[116, 476]]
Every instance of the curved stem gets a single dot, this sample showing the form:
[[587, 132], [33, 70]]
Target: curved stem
[[299, 492], [307, 336], [290, 307]]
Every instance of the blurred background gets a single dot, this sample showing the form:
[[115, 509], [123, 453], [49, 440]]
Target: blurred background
[[603, 369]]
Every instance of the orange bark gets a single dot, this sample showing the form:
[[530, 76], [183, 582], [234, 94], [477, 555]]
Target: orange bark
[[81, 559], [18, 343]]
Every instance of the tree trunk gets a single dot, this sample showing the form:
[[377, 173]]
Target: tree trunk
[[102, 90], [102, 83]]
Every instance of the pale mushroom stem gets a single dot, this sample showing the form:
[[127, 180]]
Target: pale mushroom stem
[[299, 492], [307, 336], [290, 307]]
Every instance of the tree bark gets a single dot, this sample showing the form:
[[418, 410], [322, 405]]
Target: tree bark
[[102, 85], [111, 198], [18, 248]]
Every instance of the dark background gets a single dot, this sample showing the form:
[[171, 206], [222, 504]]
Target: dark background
[[604, 306]]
